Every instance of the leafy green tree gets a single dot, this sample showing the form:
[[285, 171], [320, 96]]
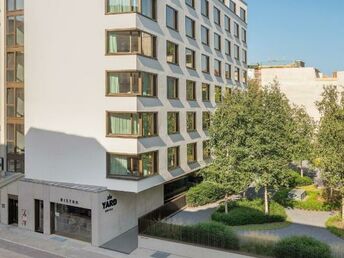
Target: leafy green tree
[[302, 136], [331, 139], [250, 138]]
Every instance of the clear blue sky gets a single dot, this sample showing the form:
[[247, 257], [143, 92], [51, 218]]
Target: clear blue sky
[[310, 30]]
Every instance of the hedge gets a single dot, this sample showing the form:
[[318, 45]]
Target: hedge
[[204, 193]]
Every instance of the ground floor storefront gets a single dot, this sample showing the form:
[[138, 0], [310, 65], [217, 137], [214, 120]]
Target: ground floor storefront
[[87, 213]]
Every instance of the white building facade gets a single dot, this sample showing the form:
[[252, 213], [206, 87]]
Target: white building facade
[[118, 96]]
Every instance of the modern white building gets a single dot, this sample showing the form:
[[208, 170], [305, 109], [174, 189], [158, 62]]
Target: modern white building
[[118, 95], [302, 85]]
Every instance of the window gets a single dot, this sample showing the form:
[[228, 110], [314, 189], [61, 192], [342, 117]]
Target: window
[[191, 121], [132, 124], [15, 138], [244, 35], [205, 35], [131, 42], [145, 7], [244, 76], [243, 14], [218, 94], [14, 5], [139, 166], [244, 56], [171, 18], [205, 120], [15, 31], [217, 42], [191, 152], [190, 27], [206, 150], [232, 6], [236, 30], [205, 8], [205, 64], [190, 3], [217, 16], [15, 67], [227, 24], [15, 102], [131, 83], [217, 68], [172, 88], [205, 92], [172, 122], [173, 158], [237, 52], [228, 71], [190, 90], [237, 74], [190, 58], [172, 52], [228, 48]]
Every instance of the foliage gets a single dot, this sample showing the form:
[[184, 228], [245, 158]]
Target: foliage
[[258, 227], [245, 212], [204, 193], [258, 244], [336, 226], [330, 139], [301, 247], [295, 179]]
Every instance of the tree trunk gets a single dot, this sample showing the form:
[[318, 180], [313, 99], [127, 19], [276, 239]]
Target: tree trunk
[[301, 169], [266, 200], [331, 193], [343, 208], [226, 203]]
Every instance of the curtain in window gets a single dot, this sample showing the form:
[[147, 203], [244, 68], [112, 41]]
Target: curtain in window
[[114, 83], [120, 124], [119, 166], [119, 6], [112, 42]]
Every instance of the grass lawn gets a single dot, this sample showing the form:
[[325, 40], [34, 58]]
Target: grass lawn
[[336, 226]]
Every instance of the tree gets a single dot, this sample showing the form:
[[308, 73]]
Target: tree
[[330, 139], [302, 135], [250, 138]]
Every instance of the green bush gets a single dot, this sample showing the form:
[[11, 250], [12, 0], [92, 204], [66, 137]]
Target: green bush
[[336, 226], [245, 212], [301, 247], [204, 193], [296, 180]]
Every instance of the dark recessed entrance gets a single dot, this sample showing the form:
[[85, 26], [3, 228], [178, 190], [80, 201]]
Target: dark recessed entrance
[[39, 208], [13, 210]]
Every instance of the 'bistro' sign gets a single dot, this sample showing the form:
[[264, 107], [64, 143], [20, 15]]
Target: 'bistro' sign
[[109, 203]]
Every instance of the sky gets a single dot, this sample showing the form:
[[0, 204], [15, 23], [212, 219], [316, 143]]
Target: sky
[[308, 30]]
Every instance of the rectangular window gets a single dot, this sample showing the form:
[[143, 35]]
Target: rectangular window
[[139, 166], [244, 76], [144, 7], [15, 102], [206, 150], [191, 121], [228, 48], [217, 42], [205, 120], [217, 16], [218, 94], [14, 5], [228, 71], [192, 153], [205, 8], [171, 18], [132, 124], [190, 3], [15, 139], [237, 74], [217, 68], [237, 52], [15, 31], [205, 64], [131, 42], [236, 30], [190, 90], [171, 52], [172, 122], [227, 24], [15, 67], [205, 92], [205, 35], [131, 83], [190, 27], [173, 158], [244, 56], [244, 35], [172, 88], [232, 6], [243, 14], [190, 58]]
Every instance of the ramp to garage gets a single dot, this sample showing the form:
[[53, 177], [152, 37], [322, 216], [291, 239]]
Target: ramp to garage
[[125, 243]]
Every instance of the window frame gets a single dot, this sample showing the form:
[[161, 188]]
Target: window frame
[[193, 52], [208, 63], [175, 16], [176, 158], [194, 150], [217, 37], [206, 150], [207, 8], [206, 29], [219, 72], [176, 90], [218, 11], [177, 125], [206, 120], [193, 27], [176, 53], [193, 85], [218, 89], [207, 91], [228, 74], [194, 121]]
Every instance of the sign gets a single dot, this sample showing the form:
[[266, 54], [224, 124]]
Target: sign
[[109, 203], [69, 201]]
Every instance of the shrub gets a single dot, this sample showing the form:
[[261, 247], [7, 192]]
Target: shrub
[[245, 212], [204, 193], [336, 226], [295, 179], [301, 247]]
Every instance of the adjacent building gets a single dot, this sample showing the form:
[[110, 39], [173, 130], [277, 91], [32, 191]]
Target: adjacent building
[[302, 85], [106, 106]]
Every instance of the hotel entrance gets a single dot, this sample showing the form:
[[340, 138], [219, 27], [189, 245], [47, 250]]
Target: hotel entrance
[[13, 210], [72, 222]]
